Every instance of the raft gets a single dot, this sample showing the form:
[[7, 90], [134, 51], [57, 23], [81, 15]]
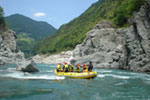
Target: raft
[[75, 75]]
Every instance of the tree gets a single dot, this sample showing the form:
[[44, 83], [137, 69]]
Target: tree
[[1, 12], [3, 25], [1, 15]]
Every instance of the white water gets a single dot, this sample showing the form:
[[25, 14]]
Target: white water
[[10, 72], [49, 74], [114, 76], [22, 76]]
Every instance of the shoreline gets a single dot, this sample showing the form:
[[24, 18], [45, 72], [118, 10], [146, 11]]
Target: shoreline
[[53, 59]]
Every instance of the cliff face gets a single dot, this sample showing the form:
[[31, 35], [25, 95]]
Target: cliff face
[[109, 47], [9, 53], [138, 40], [104, 45]]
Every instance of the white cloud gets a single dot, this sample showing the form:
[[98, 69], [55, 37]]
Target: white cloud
[[39, 14]]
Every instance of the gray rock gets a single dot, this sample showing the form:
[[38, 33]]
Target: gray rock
[[138, 40], [9, 53], [109, 47], [103, 45], [27, 66], [30, 68]]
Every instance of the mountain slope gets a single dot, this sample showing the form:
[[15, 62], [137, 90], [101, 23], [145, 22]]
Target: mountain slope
[[73, 33], [28, 31], [36, 29]]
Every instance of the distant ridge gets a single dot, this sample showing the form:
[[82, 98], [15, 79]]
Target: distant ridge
[[29, 31], [36, 29]]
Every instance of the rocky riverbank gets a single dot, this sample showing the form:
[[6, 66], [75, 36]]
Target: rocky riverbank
[[54, 59], [9, 53], [109, 47]]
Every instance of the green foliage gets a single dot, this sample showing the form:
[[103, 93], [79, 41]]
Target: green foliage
[[74, 32], [3, 24], [1, 12], [25, 44], [35, 29], [28, 31], [123, 13]]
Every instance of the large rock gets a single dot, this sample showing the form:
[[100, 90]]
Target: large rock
[[109, 47], [104, 45], [27, 66], [9, 53], [138, 40]]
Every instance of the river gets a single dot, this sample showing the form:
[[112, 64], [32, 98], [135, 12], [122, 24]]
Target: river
[[45, 85]]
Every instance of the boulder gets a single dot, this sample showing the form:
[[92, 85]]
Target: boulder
[[27, 66], [9, 53], [104, 45]]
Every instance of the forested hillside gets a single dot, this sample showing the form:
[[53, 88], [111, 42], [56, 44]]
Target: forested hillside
[[28, 31], [74, 32]]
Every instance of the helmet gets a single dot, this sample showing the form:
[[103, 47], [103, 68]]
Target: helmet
[[59, 63], [83, 64], [65, 63], [77, 65], [90, 61]]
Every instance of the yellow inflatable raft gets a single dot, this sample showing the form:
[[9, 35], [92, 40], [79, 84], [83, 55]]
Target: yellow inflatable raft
[[82, 75]]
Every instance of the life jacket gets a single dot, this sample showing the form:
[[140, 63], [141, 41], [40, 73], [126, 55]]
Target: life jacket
[[85, 69], [78, 69], [71, 68], [65, 67], [58, 67], [90, 67]]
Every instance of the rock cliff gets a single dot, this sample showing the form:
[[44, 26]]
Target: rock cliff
[[109, 47], [138, 40], [9, 53], [104, 45]]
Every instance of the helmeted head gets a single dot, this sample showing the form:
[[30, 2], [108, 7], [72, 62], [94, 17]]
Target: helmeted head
[[77, 65], [84, 65], [65, 63], [59, 63], [90, 61]]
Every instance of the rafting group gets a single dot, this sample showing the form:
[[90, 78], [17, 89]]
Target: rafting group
[[70, 72], [78, 69]]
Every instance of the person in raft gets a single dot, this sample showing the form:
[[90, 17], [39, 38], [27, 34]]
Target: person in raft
[[78, 68], [84, 68], [90, 66], [65, 67], [71, 69], [59, 67]]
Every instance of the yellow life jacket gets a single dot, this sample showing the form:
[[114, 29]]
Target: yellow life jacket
[[65, 67], [71, 68], [85, 69], [78, 69], [58, 67]]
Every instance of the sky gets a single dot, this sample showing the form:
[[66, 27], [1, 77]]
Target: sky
[[55, 12]]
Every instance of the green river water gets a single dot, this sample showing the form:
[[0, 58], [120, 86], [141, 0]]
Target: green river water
[[45, 85]]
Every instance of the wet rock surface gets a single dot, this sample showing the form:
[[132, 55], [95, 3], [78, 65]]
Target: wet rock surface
[[27, 66]]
